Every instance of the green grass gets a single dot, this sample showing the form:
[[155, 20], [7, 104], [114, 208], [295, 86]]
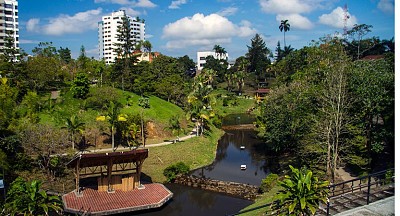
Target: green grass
[[242, 106], [257, 208], [195, 152], [160, 111]]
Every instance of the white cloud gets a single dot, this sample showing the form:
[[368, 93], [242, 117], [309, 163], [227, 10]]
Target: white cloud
[[296, 21], [66, 24], [386, 6], [32, 25], [204, 30], [286, 6], [145, 4], [335, 19], [130, 11], [229, 11], [176, 4], [139, 3], [22, 41]]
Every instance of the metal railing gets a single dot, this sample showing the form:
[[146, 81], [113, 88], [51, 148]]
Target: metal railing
[[364, 183]]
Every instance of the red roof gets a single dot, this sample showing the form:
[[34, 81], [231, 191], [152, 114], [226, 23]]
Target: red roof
[[103, 203]]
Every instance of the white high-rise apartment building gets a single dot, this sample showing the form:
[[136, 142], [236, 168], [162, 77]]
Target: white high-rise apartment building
[[108, 27], [9, 22]]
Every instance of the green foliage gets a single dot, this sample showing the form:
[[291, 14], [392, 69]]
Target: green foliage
[[268, 182], [258, 55], [98, 97], [301, 193], [173, 170], [80, 86], [28, 198]]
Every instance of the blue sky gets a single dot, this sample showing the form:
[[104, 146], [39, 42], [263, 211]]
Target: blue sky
[[183, 27]]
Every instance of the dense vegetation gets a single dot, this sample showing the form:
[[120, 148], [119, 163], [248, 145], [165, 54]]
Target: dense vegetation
[[327, 106]]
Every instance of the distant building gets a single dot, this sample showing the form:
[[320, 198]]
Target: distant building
[[201, 58], [107, 31], [9, 22]]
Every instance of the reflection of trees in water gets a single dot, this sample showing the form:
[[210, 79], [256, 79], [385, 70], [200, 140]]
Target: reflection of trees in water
[[203, 199]]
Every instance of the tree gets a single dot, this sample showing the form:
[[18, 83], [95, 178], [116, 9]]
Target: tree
[[65, 55], [357, 33], [28, 198], [144, 103], [219, 51], [301, 193], [284, 26], [333, 99], [124, 47], [10, 52], [112, 116], [45, 49], [82, 59], [41, 143], [147, 46], [372, 86], [74, 126], [174, 125], [80, 86], [258, 55], [200, 103]]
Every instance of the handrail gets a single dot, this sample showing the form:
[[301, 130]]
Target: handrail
[[349, 186], [344, 190]]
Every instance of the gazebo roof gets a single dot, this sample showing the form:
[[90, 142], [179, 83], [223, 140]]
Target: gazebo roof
[[102, 159]]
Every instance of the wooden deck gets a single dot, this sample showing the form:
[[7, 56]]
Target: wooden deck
[[103, 203]]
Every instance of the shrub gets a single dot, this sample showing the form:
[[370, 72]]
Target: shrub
[[173, 170], [269, 182]]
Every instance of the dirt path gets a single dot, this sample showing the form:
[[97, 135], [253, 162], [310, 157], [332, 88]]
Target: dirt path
[[343, 174]]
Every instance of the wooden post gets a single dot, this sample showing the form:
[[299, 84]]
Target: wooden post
[[109, 172], [77, 176]]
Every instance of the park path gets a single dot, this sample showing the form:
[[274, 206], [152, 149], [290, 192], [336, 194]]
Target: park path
[[121, 148]]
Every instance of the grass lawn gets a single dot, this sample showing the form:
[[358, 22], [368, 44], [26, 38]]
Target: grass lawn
[[257, 208], [242, 106], [195, 152]]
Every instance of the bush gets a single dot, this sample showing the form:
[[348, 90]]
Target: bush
[[100, 96], [173, 170], [269, 182]]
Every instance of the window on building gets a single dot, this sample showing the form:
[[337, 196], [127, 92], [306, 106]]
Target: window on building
[[8, 12], [202, 58], [8, 6]]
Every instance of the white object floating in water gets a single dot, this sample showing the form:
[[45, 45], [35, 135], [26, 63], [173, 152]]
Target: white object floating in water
[[242, 147], [243, 167]]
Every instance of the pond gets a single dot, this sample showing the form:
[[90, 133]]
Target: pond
[[230, 156]]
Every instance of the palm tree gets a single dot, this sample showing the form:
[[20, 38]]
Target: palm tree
[[301, 193], [144, 103], [112, 116], [285, 26], [219, 51], [74, 126]]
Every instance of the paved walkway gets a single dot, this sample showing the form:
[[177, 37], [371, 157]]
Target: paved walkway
[[121, 148], [383, 207]]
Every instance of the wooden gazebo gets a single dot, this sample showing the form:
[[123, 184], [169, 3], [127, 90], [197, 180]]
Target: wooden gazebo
[[114, 171]]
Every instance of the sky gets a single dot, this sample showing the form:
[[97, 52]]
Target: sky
[[184, 27]]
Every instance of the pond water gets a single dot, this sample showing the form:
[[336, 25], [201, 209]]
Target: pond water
[[197, 202], [226, 166]]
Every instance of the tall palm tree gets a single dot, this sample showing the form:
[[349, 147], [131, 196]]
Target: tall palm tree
[[74, 126], [112, 116], [144, 103], [285, 26], [219, 51]]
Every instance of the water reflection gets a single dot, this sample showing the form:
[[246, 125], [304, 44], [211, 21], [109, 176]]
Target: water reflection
[[196, 202], [230, 156]]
